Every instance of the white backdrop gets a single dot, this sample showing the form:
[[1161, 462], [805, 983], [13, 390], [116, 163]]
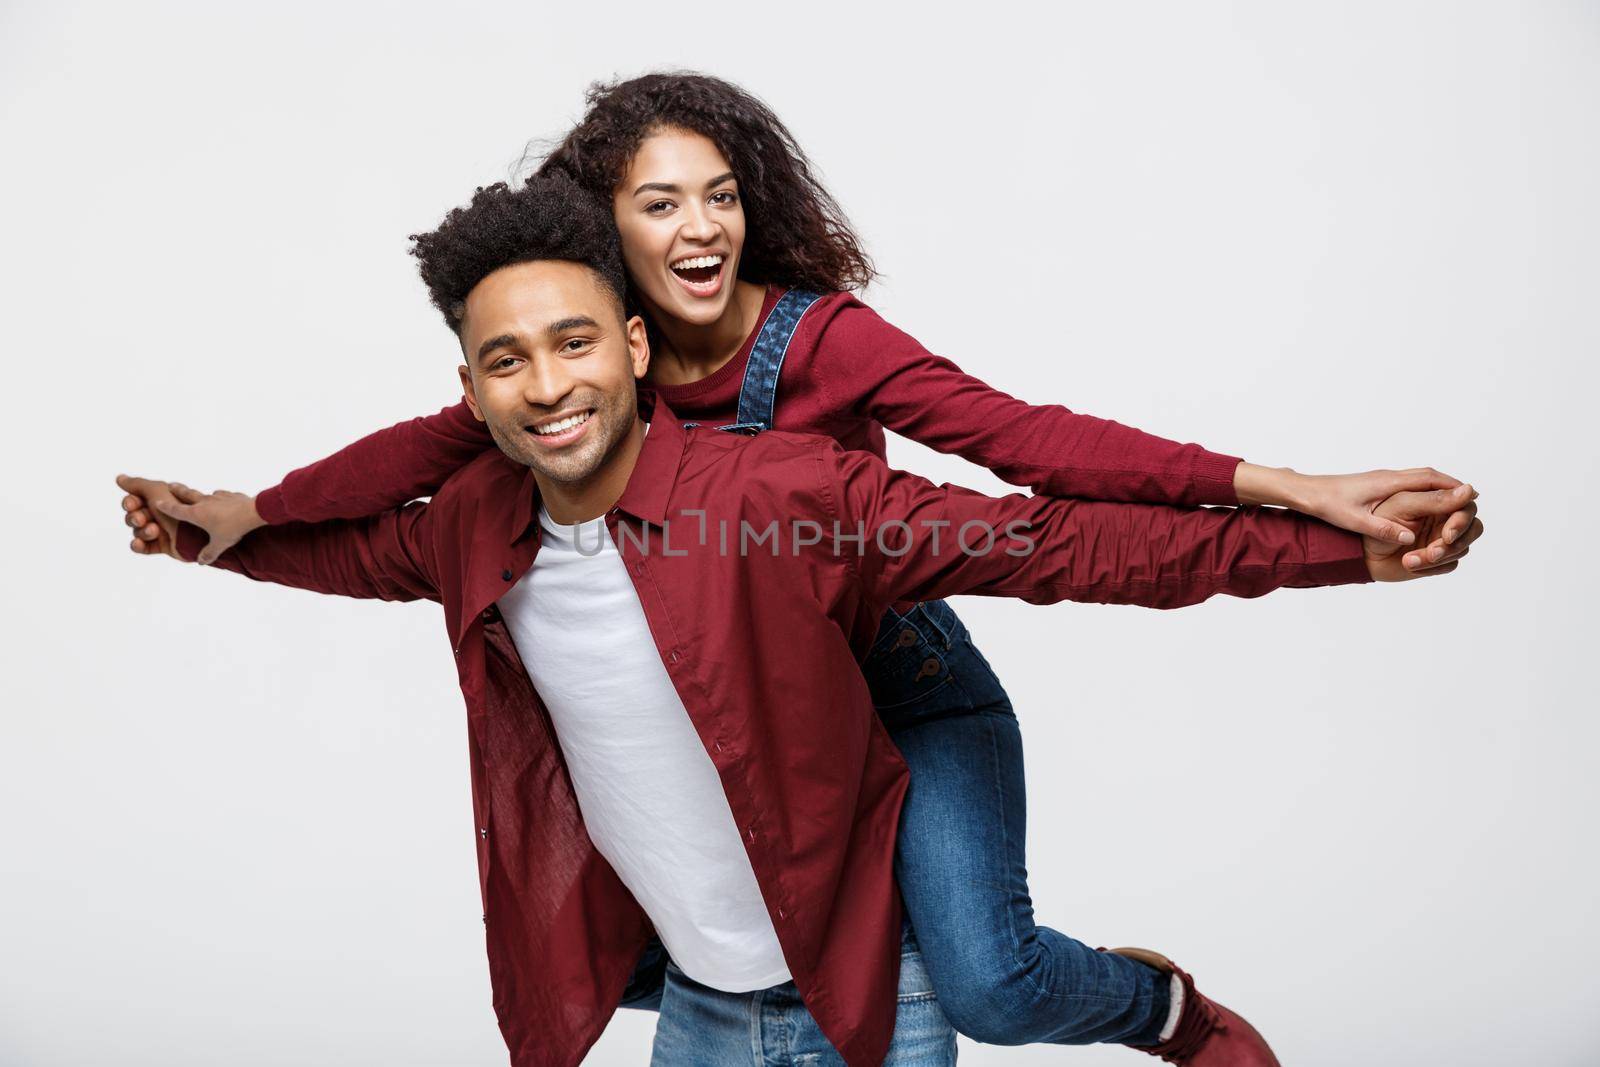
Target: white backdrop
[[234, 819]]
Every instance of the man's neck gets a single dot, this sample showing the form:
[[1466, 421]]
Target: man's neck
[[574, 502]]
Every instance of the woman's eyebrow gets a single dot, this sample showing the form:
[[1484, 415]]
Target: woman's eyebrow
[[669, 187]]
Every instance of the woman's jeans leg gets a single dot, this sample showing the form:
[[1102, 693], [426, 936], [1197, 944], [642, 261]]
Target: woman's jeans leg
[[705, 1027], [961, 859]]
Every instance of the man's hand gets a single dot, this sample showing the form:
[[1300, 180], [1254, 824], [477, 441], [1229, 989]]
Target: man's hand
[[1444, 522], [155, 508]]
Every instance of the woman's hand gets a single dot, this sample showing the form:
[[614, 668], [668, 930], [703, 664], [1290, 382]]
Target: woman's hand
[[1352, 502], [155, 508]]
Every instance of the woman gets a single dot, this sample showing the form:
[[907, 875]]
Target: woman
[[742, 266]]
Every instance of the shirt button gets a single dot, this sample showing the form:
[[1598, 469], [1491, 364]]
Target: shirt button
[[717, 745], [483, 832], [673, 657], [505, 575], [782, 914], [750, 833]]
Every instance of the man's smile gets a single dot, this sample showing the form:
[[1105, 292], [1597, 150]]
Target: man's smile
[[561, 430]]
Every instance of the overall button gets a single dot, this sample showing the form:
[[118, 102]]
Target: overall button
[[908, 637], [930, 667]]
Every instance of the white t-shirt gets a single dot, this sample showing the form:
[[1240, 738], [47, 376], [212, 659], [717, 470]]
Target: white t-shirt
[[651, 798]]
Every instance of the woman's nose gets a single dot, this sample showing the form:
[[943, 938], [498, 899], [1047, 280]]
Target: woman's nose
[[698, 225]]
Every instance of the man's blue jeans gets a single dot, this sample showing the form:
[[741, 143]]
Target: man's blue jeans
[[704, 1027]]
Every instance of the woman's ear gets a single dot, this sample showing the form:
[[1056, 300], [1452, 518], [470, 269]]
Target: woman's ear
[[467, 392], [638, 347]]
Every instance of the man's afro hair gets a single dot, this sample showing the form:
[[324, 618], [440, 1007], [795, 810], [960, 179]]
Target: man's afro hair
[[551, 217]]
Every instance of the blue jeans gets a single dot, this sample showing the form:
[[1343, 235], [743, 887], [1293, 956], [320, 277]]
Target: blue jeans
[[705, 1027], [961, 858]]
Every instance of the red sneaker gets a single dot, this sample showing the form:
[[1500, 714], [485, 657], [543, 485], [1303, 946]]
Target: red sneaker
[[1208, 1035]]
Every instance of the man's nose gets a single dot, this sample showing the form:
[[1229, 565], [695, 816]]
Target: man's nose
[[546, 383]]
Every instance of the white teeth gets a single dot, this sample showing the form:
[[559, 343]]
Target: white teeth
[[698, 261], [561, 424]]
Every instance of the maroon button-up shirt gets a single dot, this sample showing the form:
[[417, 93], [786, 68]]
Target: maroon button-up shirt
[[763, 650]]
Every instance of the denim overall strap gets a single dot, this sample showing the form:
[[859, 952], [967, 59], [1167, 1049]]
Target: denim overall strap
[[758, 394]]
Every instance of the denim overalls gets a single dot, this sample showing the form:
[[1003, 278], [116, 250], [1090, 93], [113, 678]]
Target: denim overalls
[[960, 857]]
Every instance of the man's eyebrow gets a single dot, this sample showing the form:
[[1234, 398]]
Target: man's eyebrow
[[495, 342], [571, 322]]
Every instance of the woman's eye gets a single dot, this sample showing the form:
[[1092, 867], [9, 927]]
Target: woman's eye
[[659, 207], [724, 197]]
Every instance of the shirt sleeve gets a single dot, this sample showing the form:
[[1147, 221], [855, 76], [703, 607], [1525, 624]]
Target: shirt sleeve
[[385, 557], [879, 371], [383, 470], [924, 541]]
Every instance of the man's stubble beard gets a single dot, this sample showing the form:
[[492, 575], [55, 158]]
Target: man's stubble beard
[[615, 418]]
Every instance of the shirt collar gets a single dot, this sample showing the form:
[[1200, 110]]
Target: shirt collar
[[649, 487]]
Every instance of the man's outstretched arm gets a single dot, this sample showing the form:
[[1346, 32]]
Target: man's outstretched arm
[[925, 541], [386, 557]]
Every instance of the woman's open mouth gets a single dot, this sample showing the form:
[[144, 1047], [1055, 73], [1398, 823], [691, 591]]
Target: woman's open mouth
[[700, 276]]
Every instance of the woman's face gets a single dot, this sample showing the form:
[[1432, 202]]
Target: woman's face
[[682, 225]]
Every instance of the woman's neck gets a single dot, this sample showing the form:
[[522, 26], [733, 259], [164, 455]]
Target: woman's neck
[[686, 352]]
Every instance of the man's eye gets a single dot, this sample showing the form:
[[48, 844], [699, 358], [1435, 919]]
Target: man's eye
[[578, 341], [503, 362]]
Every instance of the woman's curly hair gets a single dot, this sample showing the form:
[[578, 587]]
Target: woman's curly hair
[[796, 234], [549, 217]]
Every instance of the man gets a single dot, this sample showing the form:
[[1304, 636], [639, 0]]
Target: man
[[657, 628]]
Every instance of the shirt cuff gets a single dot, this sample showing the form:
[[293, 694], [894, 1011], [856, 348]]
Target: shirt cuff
[[274, 512], [1212, 480], [1334, 556]]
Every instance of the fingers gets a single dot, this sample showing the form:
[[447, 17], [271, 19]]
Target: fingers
[[181, 512], [185, 494], [1381, 528], [142, 487], [1443, 568], [1414, 505], [1459, 522], [1438, 553], [1420, 479]]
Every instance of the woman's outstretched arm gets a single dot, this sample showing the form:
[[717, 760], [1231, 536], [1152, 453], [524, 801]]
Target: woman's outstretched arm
[[381, 471], [878, 370]]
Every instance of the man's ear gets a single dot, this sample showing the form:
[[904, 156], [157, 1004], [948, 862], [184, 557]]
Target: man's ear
[[638, 346], [467, 392]]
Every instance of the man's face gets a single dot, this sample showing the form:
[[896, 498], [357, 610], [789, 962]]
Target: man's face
[[551, 366]]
